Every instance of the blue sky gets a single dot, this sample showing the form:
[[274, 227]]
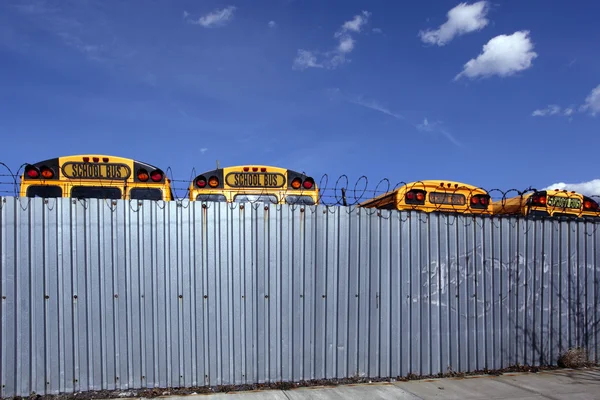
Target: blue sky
[[497, 94]]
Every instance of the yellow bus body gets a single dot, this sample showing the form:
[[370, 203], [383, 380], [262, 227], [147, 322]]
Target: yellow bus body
[[95, 176], [254, 183], [551, 203], [434, 195]]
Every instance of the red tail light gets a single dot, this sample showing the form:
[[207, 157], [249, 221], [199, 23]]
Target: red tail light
[[201, 182], [308, 183], [32, 172], [484, 201], [47, 173], [410, 196], [590, 205], [142, 175], [420, 196], [474, 200], [156, 176]]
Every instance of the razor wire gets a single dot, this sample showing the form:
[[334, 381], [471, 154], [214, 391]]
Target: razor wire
[[362, 192]]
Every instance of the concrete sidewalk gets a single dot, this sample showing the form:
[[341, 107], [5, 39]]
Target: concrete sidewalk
[[559, 384]]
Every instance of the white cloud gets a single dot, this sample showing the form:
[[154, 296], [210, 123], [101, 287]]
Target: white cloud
[[592, 102], [503, 55], [272, 24], [462, 19], [305, 59], [346, 45], [373, 105], [425, 125], [216, 18], [436, 126], [591, 105], [203, 150], [338, 56], [185, 14], [591, 188], [336, 93], [355, 24], [552, 109], [377, 30]]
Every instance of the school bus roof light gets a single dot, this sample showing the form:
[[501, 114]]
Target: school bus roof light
[[213, 181], [263, 169], [105, 159], [254, 169], [142, 175], [96, 159], [296, 183], [246, 169], [32, 172], [46, 172], [86, 159], [156, 175]]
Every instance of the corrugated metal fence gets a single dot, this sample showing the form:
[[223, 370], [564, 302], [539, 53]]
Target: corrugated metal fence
[[103, 295]]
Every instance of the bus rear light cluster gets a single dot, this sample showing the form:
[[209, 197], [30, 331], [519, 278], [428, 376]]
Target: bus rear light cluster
[[590, 205], [213, 182], [538, 200], [480, 201], [415, 197], [156, 175], [307, 184], [44, 172]]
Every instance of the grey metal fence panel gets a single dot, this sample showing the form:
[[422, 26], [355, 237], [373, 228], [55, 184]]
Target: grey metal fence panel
[[118, 295]]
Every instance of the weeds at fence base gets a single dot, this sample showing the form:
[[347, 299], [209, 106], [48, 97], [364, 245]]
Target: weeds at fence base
[[572, 357]]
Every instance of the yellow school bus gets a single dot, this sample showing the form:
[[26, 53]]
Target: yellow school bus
[[551, 203], [95, 176], [432, 195], [254, 183]]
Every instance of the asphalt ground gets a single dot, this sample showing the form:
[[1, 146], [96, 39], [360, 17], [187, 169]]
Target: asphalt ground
[[556, 384]]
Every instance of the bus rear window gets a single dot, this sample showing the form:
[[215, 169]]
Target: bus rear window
[[300, 200], [44, 191], [145, 194], [211, 197], [95, 192]]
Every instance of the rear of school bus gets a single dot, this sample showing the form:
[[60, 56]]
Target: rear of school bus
[[95, 176], [254, 183], [550, 204], [434, 195]]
